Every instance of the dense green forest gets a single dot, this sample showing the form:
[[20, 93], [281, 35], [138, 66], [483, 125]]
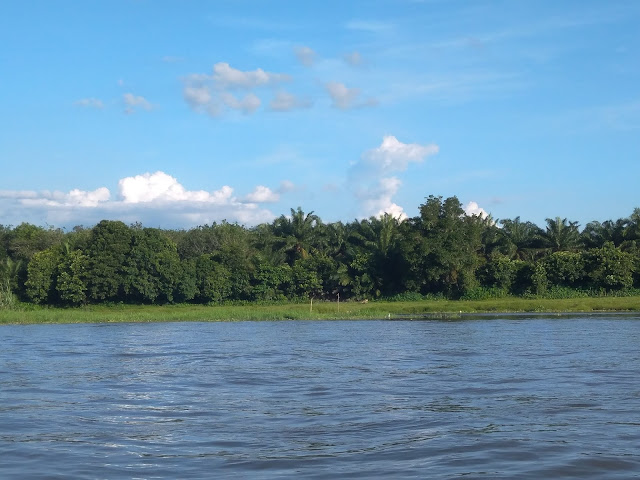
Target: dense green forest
[[442, 253]]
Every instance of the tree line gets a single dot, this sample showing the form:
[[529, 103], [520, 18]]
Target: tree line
[[442, 252]]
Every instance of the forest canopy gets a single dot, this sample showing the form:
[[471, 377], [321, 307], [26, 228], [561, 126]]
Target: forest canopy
[[440, 253]]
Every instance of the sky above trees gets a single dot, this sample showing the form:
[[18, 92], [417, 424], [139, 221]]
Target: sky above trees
[[181, 113]]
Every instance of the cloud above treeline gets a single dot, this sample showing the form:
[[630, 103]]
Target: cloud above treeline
[[155, 199], [228, 88], [373, 179]]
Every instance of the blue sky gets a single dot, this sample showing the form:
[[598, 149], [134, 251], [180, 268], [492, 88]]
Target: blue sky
[[181, 113]]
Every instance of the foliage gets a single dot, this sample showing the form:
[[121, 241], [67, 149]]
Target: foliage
[[71, 282], [213, 280], [108, 248], [609, 267], [561, 235], [564, 268], [440, 254], [445, 256], [41, 277]]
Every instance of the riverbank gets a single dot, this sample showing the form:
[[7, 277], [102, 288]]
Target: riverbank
[[320, 310]]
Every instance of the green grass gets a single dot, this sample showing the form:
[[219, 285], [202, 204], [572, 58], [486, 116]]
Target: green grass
[[321, 310]]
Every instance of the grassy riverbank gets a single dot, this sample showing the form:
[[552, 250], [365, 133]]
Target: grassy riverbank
[[321, 310]]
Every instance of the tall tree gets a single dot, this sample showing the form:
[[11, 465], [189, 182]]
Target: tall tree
[[522, 240], [108, 250], [596, 234], [561, 235], [378, 239], [298, 235], [446, 256]]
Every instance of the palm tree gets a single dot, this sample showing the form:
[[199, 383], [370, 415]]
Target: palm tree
[[561, 235], [297, 235], [596, 234], [522, 239], [379, 234], [380, 238]]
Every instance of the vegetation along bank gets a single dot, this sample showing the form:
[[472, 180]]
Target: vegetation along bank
[[440, 255]]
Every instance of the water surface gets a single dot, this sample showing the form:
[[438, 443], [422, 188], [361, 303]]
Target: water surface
[[487, 398]]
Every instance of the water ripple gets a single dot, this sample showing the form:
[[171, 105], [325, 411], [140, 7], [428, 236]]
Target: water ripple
[[497, 398]]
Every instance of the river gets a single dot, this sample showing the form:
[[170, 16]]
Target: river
[[486, 397]]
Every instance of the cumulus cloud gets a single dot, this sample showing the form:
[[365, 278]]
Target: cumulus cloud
[[133, 102], [394, 156], [371, 179], [155, 199], [197, 95], [90, 103], [75, 198], [262, 194], [472, 208], [247, 104], [378, 200], [306, 56], [354, 59], [161, 187], [285, 101], [228, 77], [212, 94], [345, 98]]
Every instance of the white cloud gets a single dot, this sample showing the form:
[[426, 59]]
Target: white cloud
[[285, 101], [18, 194], [155, 199], [90, 103], [354, 59], [305, 55], [262, 194], [393, 155], [472, 208], [228, 77], [345, 98], [370, 176], [133, 102], [212, 93], [160, 187], [197, 96], [248, 104], [378, 200], [75, 198]]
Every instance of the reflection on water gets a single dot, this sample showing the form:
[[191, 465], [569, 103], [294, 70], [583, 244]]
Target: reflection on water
[[490, 398]]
